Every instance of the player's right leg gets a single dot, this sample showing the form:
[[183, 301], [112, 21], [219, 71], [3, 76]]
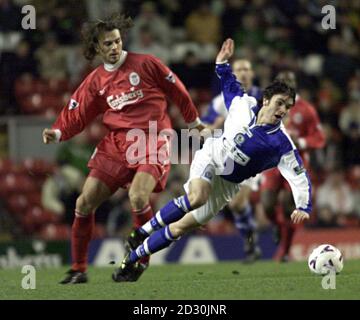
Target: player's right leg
[[94, 193]]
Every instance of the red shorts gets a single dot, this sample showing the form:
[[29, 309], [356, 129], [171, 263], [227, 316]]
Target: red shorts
[[116, 161]]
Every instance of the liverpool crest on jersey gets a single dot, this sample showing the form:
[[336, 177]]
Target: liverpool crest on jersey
[[134, 78]]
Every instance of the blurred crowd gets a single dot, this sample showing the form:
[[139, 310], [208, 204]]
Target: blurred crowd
[[40, 68]]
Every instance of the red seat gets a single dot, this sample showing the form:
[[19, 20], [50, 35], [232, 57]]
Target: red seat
[[38, 167], [16, 183], [55, 232], [36, 217], [18, 204], [6, 166]]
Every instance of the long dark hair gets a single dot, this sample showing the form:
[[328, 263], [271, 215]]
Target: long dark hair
[[91, 31]]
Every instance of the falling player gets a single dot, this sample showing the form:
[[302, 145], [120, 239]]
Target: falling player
[[129, 90], [304, 127], [253, 140], [240, 205]]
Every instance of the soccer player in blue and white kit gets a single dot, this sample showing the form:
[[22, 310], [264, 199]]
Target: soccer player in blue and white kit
[[254, 139], [240, 206]]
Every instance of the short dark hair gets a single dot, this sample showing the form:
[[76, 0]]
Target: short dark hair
[[279, 87], [92, 30]]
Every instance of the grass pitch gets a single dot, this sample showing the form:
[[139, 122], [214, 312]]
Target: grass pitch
[[226, 280]]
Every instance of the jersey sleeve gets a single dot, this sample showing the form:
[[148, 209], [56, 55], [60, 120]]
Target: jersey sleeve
[[79, 112], [230, 87], [173, 88], [315, 139], [292, 169]]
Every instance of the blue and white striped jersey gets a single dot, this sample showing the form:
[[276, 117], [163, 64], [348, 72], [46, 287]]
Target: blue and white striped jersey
[[249, 148]]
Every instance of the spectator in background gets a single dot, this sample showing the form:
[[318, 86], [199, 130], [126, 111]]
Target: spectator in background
[[52, 59], [193, 72], [338, 65], [350, 117], [145, 43], [336, 195], [329, 157], [38, 36], [59, 192], [10, 16], [159, 26], [251, 32], [351, 144], [232, 16], [328, 98], [203, 26], [12, 66], [63, 25]]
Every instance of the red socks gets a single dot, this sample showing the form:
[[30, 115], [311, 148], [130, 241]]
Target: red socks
[[81, 233], [287, 234], [140, 217]]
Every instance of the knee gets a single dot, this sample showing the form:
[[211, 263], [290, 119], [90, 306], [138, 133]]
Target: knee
[[198, 197], [238, 205], [138, 198], [177, 229], [268, 202], [85, 205]]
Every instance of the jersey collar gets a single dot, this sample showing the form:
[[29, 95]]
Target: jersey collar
[[269, 128], [112, 67]]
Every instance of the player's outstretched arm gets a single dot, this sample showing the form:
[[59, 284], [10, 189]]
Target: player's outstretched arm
[[299, 216], [230, 86]]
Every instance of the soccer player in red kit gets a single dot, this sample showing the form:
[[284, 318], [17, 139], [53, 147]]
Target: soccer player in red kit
[[304, 127], [129, 90]]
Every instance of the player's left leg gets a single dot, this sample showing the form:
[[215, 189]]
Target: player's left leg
[[157, 232], [157, 241], [245, 222]]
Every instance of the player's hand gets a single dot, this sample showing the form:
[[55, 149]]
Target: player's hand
[[299, 216], [49, 136], [226, 51]]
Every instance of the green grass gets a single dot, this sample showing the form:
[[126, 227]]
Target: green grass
[[232, 280]]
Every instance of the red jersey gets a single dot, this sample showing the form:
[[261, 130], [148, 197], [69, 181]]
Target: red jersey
[[304, 123], [128, 97]]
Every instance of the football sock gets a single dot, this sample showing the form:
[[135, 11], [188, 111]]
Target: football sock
[[287, 234], [171, 212], [142, 216], [158, 240], [81, 233], [244, 221]]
